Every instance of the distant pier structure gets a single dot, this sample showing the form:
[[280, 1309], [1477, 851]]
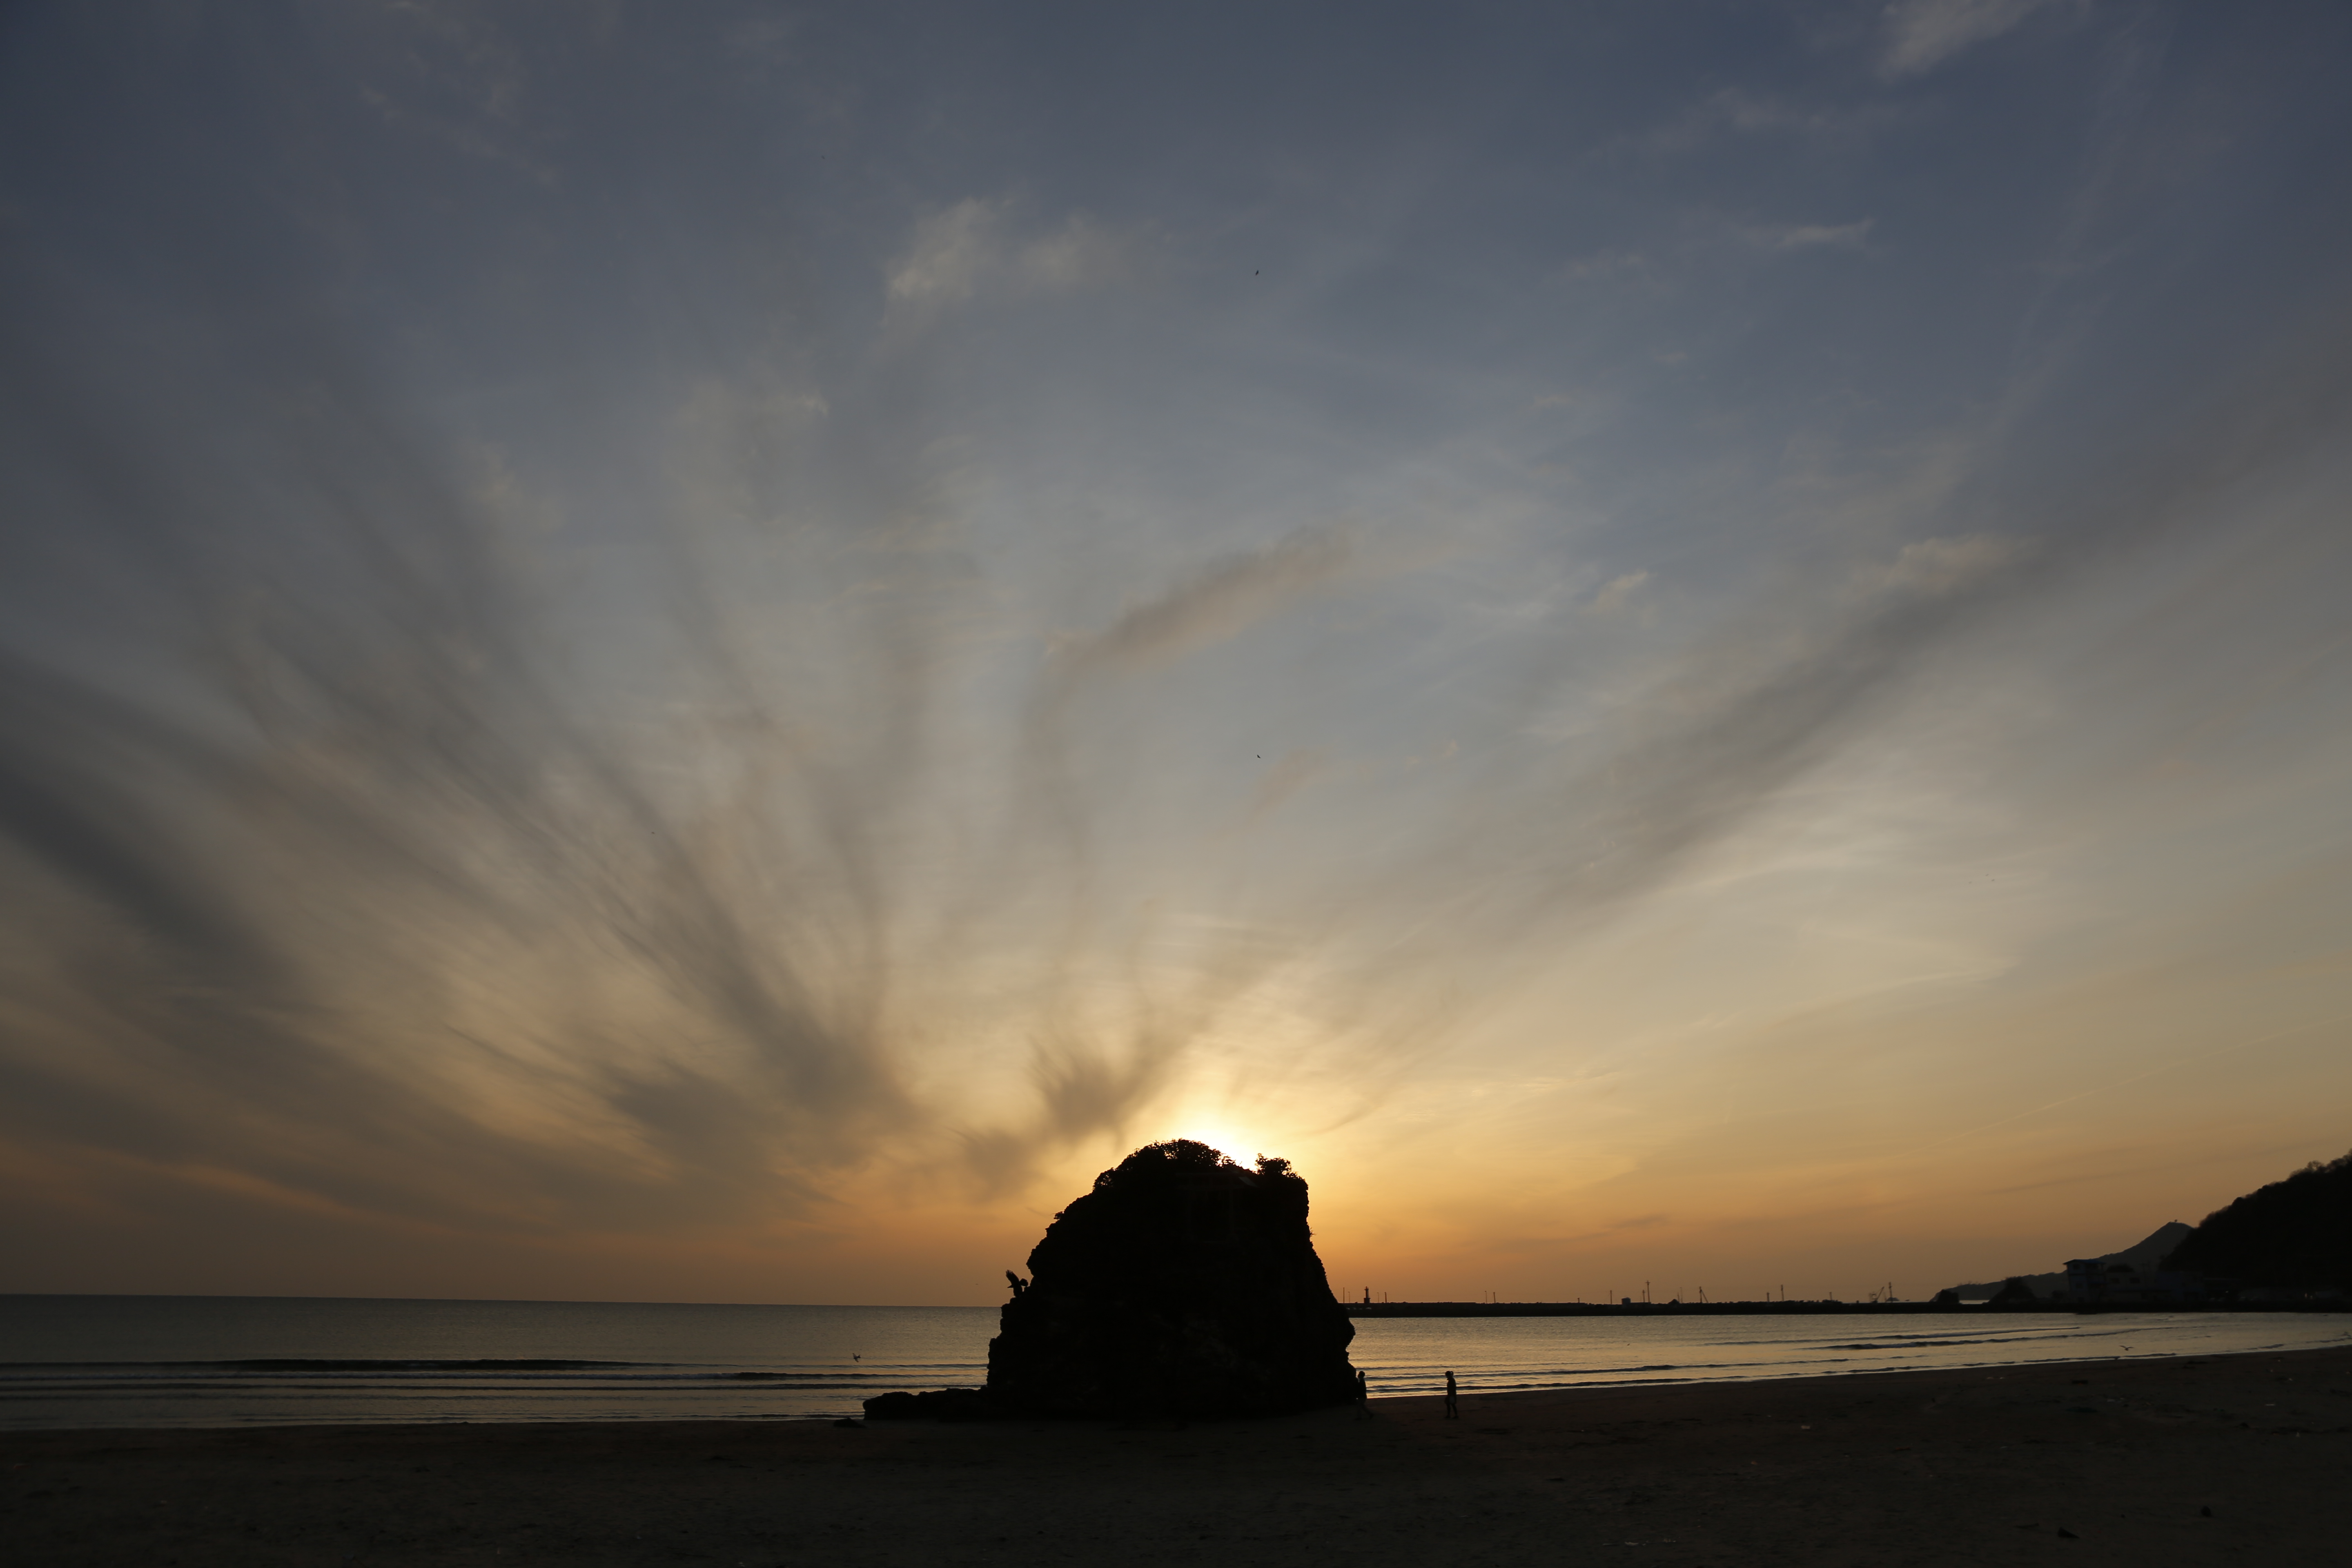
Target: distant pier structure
[[1630, 1308], [1945, 1302]]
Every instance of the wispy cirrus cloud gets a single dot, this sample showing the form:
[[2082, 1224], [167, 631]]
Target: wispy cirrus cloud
[[1921, 34], [1809, 235], [1221, 600], [976, 244]]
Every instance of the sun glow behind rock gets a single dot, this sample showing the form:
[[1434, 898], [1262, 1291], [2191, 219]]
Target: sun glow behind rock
[[1218, 1135]]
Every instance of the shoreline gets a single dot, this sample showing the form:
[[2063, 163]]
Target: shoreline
[[1484, 1393], [1484, 1390], [2182, 1459]]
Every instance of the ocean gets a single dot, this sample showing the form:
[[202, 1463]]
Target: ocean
[[69, 1362]]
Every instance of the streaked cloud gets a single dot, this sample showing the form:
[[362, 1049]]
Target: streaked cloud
[[953, 249], [973, 244], [1922, 34], [1810, 236], [646, 654], [1221, 600]]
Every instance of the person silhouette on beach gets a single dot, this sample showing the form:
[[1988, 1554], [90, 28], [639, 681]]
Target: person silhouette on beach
[[1453, 1406], [1364, 1397]]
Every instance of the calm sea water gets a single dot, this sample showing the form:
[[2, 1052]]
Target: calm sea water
[[211, 1361]]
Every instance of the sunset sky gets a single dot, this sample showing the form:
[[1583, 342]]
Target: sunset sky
[[710, 652]]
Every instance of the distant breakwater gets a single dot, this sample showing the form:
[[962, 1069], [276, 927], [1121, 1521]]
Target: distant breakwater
[[1792, 1308], [1637, 1309]]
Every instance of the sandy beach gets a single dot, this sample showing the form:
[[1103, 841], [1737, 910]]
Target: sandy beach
[[2228, 1460]]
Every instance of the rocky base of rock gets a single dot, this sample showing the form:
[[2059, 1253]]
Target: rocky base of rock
[[936, 1404]]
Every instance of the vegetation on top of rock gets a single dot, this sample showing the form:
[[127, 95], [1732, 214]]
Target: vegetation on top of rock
[[1179, 1159]]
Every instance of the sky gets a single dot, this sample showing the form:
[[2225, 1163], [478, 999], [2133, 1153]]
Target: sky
[[710, 652]]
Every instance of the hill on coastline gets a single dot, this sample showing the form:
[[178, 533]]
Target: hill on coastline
[[2292, 1234], [2295, 1235], [2142, 1256]]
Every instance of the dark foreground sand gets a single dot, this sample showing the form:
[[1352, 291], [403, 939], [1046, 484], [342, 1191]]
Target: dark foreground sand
[[2109, 1461]]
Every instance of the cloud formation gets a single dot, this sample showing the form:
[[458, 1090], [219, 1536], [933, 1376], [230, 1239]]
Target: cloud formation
[[1810, 236], [1922, 34], [701, 644], [1219, 601]]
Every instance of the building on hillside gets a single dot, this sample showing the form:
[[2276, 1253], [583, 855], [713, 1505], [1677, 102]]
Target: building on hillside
[[2091, 1281]]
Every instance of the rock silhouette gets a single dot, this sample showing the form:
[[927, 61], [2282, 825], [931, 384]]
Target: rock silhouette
[[2015, 1293], [1183, 1285]]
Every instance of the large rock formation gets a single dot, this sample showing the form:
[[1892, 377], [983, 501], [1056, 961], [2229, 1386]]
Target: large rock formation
[[1183, 1284]]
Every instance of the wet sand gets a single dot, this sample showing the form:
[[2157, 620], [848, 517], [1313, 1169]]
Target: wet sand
[[2225, 1459]]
